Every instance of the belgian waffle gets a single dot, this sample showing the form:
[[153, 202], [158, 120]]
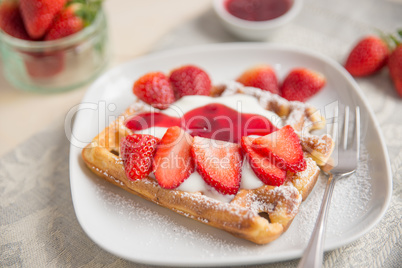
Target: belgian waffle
[[259, 215]]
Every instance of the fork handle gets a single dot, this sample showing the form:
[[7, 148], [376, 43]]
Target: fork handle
[[313, 255]]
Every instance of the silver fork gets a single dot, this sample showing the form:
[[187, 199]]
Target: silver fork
[[348, 156]]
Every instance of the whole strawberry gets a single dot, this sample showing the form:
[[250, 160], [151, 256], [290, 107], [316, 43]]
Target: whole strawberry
[[301, 84], [395, 68], [154, 88], [44, 65], [39, 14], [65, 24], [190, 80], [72, 19], [368, 56], [11, 20], [261, 76]]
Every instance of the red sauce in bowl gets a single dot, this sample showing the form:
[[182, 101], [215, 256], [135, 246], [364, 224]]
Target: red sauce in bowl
[[258, 10]]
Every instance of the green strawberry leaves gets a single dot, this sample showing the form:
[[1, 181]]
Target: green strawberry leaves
[[86, 9]]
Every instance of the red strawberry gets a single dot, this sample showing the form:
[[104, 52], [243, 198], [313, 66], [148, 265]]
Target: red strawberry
[[190, 80], [261, 76], [44, 64], [395, 68], [172, 162], [39, 14], [368, 56], [301, 84], [11, 20], [219, 163], [65, 24], [267, 172], [137, 152], [154, 88], [72, 19], [283, 148]]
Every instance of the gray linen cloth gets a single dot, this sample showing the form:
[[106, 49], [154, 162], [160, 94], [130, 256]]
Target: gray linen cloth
[[38, 226]]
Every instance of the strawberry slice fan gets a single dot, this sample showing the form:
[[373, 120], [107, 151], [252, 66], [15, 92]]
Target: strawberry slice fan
[[247, 177]]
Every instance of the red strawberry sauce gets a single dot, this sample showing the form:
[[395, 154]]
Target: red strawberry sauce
[[214, 121], [258, 10]]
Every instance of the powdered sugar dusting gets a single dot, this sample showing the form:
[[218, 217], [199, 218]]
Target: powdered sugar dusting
[[168, 226], [139, 106], [301, 176], [350, 202], [217, 205], [288, 193], [286, 198], [106, 173], [296, 115], [257, 206]]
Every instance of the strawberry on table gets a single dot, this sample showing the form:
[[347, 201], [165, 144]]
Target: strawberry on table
[[190, 80], [395, 68], [301, 84], [11, 20], [267, 172], [261, 76], [39, 14], [173, 163], [137, 152], [219, 163], [368, 56], [154, 88], [283, 148]]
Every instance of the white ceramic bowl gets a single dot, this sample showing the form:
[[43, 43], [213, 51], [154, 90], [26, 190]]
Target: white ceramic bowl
[[254, 30]]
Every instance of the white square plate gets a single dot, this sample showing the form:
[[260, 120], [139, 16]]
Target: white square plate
[[143, 232]]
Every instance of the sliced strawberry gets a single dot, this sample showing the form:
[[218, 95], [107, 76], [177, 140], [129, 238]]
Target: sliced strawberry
[[219, 163], [368, 56], [301, 84], [11, 20], [137, 152], [154, 88], [173, 163], [39, 14], [261, 76], [283, 148], [267, 172], [190, 80]]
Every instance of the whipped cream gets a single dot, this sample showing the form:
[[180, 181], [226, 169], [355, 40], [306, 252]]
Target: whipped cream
[[241, 103]]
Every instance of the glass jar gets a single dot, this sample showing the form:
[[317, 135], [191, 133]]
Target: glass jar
[[57, 65]]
